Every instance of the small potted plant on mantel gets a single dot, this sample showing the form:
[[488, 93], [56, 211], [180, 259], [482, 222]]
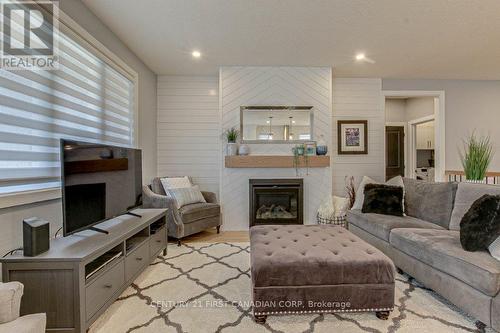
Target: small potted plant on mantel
[[231, 137], [476, 158]]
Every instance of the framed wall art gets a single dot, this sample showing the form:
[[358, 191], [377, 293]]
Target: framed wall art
[[352, 137]]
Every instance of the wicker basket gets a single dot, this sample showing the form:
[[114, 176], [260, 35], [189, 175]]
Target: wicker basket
[[337, 220]]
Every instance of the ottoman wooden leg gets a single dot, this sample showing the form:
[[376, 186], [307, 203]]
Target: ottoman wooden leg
[[481, 327], [382, 315], [260, 319]]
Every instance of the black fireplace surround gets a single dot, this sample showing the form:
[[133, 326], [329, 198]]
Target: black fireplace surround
[[276, 201]]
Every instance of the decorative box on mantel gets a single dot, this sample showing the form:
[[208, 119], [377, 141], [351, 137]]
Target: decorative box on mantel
[[275, 161]]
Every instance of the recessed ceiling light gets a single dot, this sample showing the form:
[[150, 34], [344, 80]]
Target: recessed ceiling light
[[293, 121], [268, 122], [196, 54], [360, 56]]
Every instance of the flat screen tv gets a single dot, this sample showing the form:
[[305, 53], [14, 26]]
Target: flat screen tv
[[99, 182]]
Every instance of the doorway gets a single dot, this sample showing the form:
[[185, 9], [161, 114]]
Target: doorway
[[415, 134], [423, 154], [394, 151]]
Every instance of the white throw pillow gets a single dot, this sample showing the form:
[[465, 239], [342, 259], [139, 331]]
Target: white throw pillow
[[360, 193], [326, 209], [175, 182], [10, 301], [494, 249], [186, 195], [340, 206]]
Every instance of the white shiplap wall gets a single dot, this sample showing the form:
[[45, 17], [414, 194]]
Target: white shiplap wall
[[190, 122], [189, 129], [359, 99], [273, 86]]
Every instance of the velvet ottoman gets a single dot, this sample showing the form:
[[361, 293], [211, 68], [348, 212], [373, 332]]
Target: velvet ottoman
[[317, 269]]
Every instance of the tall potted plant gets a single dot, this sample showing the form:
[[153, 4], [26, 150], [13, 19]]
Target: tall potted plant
[[231, 137], [476, 157]]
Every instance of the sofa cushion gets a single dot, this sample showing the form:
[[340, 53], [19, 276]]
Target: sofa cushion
[[360, 192], [381, 225], [481, 224], [197, 211], [32, 323], [467, 193], [432, 202], [383, 199], [10, 300], [441, 250]]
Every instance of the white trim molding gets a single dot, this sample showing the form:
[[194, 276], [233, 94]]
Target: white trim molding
[[439, 120], [29, 197], [412, 143]]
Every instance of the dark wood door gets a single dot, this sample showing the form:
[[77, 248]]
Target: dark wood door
[[394, 151]]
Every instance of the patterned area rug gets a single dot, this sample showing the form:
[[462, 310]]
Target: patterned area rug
[[206, 288]]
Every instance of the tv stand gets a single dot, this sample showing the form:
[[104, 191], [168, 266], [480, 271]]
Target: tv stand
[[133, 214], [98, 230], [81, 275]]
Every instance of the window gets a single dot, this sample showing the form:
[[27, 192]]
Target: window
[[88, 99]]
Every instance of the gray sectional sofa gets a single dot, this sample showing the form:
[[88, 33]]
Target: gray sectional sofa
[[426, 245]]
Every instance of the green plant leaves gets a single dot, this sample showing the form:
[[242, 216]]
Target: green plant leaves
[[476, 156]]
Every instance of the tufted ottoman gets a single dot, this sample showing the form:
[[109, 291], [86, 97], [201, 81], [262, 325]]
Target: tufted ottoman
[[317, 269]]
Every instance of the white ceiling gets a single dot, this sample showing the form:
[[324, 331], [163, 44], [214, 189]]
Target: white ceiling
[[443, 39]]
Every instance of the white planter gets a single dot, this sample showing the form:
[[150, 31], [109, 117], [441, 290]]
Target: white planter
[[231, 149], [244, 150]]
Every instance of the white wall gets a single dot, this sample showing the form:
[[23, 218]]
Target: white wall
[[273, 86], [407, 109], [188, 129], [358, 99], [11, 218], [395, 110], [470, 105], [419, 107]]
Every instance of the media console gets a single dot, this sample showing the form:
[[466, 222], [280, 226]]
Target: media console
[[83, 274]]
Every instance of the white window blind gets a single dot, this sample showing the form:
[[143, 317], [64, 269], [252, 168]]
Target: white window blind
[[87, 99]]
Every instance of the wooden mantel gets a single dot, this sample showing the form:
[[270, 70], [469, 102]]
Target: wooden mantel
[[274, 161]]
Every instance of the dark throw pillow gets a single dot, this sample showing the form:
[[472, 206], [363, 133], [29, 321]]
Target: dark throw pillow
[[480, 226], [383, 199]]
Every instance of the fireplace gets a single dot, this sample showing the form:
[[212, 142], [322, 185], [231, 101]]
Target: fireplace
[[276, 201]]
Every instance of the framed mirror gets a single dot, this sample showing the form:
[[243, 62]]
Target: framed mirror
[[276, 124]]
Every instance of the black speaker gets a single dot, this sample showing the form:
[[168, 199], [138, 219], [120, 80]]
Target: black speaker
[[36, 236]]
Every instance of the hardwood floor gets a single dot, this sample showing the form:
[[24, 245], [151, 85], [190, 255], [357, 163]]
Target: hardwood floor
[[211, 236]]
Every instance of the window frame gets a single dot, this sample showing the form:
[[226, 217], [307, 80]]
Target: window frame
[[84, 38]]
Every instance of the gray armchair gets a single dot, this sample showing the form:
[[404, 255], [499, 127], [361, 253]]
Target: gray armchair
[[188, 219]]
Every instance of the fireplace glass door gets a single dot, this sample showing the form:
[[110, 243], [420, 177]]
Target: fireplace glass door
[[276, 204], [276, 201]]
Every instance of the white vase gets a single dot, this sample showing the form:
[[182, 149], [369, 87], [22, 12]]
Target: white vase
[[243, 150], [231, 149]]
